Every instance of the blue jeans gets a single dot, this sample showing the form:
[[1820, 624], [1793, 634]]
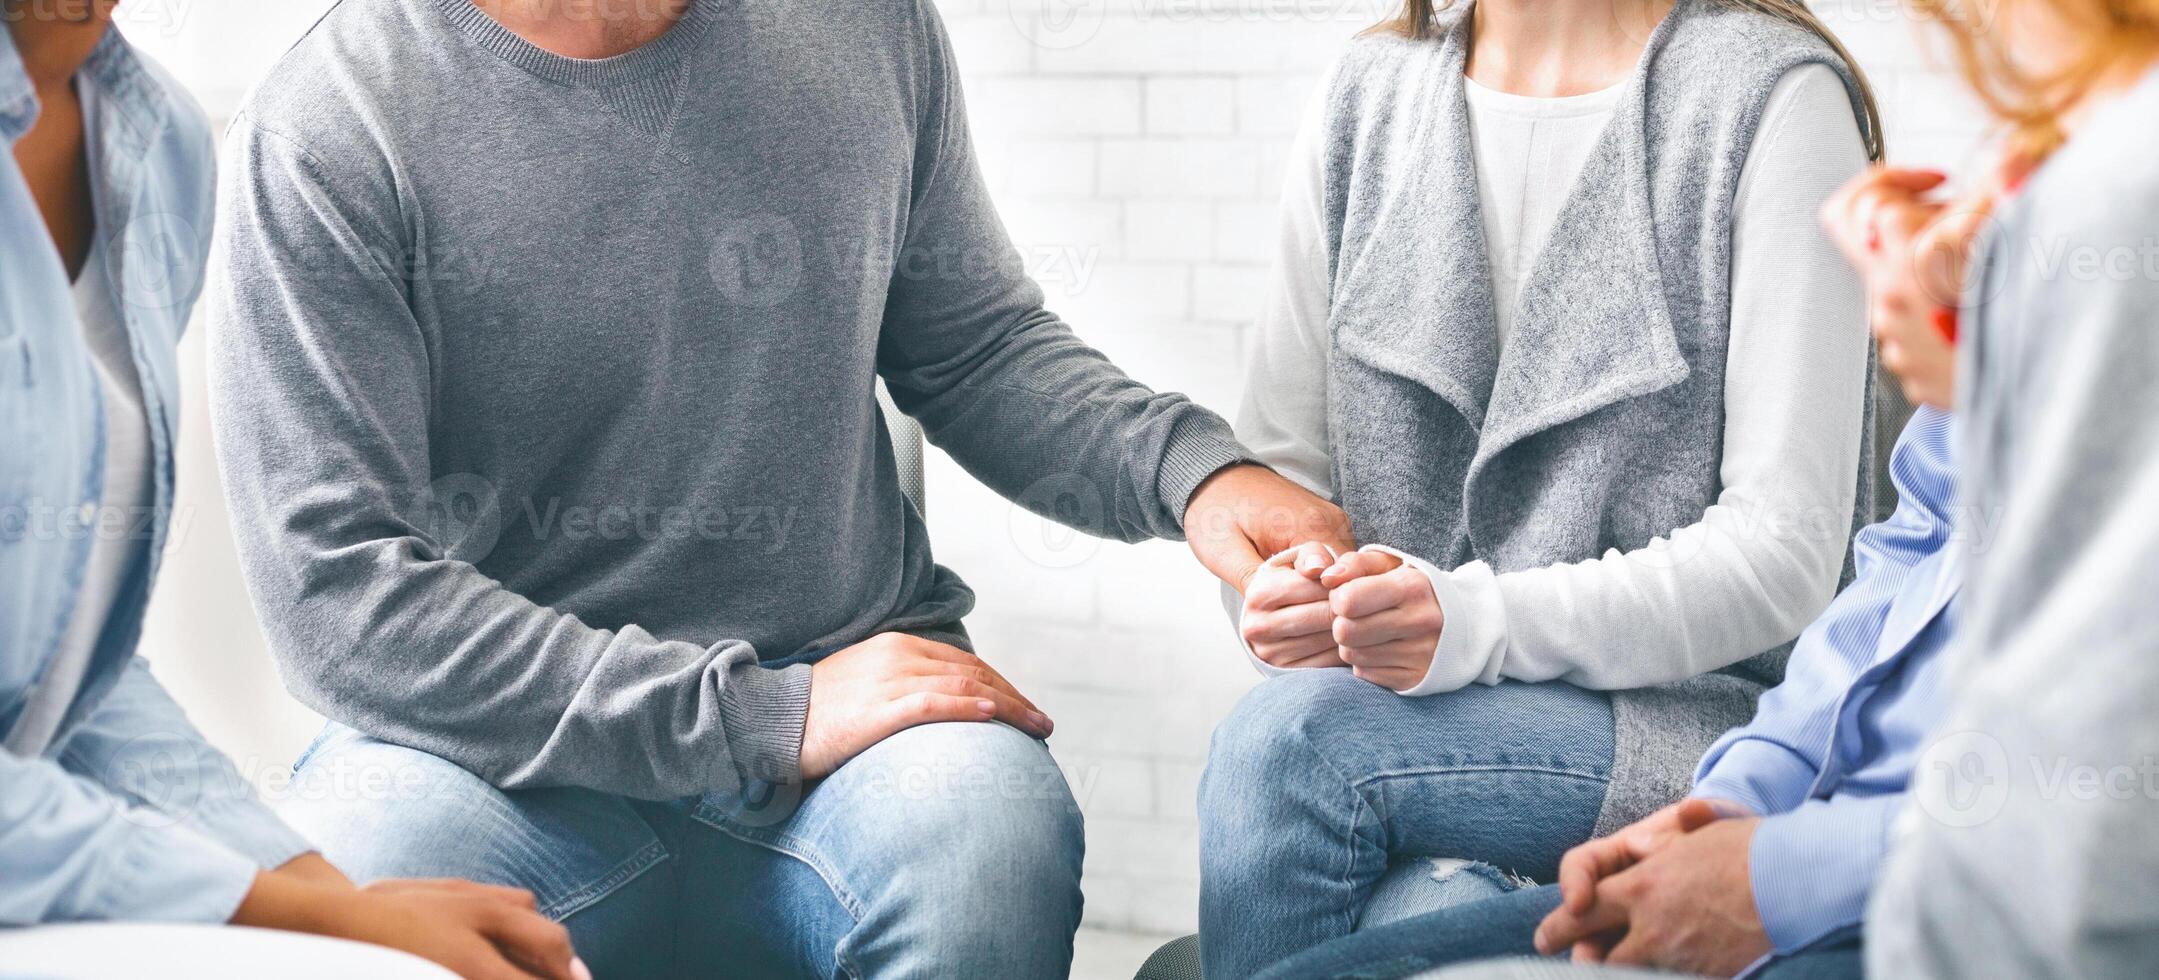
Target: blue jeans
[[945, 850], [1503, 926], [1318, 783]]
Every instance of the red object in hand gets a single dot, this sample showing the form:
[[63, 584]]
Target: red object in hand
[[1945, 323]]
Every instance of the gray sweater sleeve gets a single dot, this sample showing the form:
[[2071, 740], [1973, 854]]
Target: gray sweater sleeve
[[321, 406], [1000, 382]]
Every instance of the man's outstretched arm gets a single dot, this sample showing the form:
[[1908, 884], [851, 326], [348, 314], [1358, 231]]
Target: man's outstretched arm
[[1039, 416]]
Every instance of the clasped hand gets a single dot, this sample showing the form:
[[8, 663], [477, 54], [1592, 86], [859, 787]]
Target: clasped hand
[[1366, 610]]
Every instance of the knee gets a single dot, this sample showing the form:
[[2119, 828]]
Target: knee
[[1276, 735], [383, 811], [976, 798]]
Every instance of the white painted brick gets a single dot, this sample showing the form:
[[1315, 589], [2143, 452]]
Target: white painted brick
[[1056, 235], [1165, 905], [1274, 105], [1246, 231], [1179, 168], [1122, 43], [1106, 723], [987, 44], [1124, 845], [1228, 293], [1062, 107], [1038, 169], [1176, 794], [1191, 106], [1110, 786], [1067, 657], [1169, 230], [1110, 899], [1116, 293], [1146, 586]]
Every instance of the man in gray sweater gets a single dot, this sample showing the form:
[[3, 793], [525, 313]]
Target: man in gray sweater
[[545, 341]]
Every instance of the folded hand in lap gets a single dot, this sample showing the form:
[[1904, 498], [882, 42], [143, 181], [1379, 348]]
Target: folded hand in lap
[[1387, 620], [1287, 621], [1312, 606]]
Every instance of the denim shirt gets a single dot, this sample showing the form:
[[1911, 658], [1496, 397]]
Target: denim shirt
[[1828, 759], [127, 813]]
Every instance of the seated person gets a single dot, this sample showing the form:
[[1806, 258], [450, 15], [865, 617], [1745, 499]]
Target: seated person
[[112, 806], [545, 369], [1769, 864], [2044, 859], [1595, 515], [1773, 854]]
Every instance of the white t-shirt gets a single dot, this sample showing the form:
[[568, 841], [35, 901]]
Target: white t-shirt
[[1762, 561]]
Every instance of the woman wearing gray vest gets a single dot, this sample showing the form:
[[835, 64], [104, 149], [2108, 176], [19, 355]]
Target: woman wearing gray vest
[[1555, 323]]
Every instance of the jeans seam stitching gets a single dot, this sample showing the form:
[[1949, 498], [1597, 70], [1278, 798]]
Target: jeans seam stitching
[[607, 884], [1581, 774], [800, 850], [1358, 809]]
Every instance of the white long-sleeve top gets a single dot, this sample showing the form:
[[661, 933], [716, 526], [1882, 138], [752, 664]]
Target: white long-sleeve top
[[1766, 557]]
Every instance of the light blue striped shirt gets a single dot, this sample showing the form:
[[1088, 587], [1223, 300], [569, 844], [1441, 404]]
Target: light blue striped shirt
[[1830, 751]]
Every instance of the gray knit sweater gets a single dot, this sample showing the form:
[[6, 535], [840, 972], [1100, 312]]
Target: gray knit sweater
[[543, 387], [1598, 427]]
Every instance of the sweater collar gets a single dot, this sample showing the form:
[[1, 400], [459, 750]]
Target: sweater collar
[[655, 57]]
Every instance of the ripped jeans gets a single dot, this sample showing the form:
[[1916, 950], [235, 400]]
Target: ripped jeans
[[1326, 799]]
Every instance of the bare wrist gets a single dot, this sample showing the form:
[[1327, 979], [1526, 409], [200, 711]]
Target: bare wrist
[[280, 899]]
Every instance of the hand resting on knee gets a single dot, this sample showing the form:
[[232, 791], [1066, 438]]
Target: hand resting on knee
[[894, 681]]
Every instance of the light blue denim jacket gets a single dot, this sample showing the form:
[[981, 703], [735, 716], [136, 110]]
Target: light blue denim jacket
[[128, 813]]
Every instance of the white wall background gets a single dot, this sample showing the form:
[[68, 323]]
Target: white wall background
[[1135, 147]]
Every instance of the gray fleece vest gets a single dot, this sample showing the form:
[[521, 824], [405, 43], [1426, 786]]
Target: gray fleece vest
[[1600, 425]]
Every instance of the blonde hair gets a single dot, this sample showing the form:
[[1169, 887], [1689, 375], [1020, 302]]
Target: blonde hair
[[2112, 31], [1416, 21]]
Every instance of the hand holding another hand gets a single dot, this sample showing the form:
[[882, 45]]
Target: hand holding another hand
[[1287, 622], [1369, 611], [1387, 619], [1246, 512]]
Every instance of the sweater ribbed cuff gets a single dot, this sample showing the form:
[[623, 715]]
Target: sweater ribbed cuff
[[1198, 448], [763, 711]]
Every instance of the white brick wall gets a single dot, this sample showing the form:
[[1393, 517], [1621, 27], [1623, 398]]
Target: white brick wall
[[1135, 147]]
